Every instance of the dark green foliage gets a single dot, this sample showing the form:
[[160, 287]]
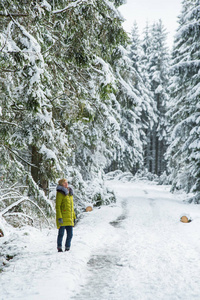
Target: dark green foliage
[[155, 66], [59, 91], [184, 109]]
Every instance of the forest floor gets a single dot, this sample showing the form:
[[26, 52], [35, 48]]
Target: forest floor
[[134, 249]]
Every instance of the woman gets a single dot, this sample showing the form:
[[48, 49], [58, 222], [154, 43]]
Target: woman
[[65, 214]]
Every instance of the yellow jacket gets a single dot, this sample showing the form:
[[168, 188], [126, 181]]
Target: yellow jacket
[[65, 209]]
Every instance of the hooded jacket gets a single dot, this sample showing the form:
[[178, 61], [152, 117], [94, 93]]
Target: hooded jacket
[[65, 206]]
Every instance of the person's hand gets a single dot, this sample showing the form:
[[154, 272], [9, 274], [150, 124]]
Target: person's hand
[[71, 191], [60, 220]]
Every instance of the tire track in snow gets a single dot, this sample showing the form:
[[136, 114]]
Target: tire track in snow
[[103, 264], [151, 258]]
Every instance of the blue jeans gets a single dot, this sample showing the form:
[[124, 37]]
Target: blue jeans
[[61, 232]]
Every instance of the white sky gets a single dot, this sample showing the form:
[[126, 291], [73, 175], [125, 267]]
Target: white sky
[[142, 11]]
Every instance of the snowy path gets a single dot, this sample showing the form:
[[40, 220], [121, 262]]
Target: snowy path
[[155, 256], [135, 249]]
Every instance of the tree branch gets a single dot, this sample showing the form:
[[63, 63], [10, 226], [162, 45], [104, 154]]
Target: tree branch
[[18, 214], [14, 15], [9, 123], [8, 70], [5, 211], [69, 6], [20, 157]]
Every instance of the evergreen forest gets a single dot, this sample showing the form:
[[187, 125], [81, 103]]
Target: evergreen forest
[[80, 97]]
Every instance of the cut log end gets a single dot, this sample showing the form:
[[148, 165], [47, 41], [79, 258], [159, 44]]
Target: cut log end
[[88, 208], [185, 219]]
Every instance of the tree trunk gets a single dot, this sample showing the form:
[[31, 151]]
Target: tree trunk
[[36, 172]]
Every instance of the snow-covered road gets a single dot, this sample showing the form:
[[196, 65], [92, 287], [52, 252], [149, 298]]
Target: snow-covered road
[[136, 249]]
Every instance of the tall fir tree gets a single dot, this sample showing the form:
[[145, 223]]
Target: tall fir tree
[[156, 65], [184, 107], [142, 85], [64, 83]]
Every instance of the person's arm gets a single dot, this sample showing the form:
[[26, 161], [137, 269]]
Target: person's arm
[[58, 206], [74, 215]]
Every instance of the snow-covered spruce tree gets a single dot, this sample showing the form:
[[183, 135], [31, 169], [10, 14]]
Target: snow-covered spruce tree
[[142, 86], [128, 149], [94, 50], [144, 64], [184, 108], [95, 63], [27, 132], [63, 94], [156, 65]]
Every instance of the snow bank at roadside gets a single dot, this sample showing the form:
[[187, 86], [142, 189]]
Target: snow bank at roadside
[[37, 271]]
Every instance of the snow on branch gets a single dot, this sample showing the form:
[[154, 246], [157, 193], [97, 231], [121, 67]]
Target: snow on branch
[[14, 15], [8, 195], [8, 70], [34, 46], [19, 214], [10, 123], [20, 157], [74, 4], [112, 7], [6, 210], [5, 39]]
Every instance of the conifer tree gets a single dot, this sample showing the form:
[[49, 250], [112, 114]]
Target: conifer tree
[[62, 96], [156, 66], [184, 108], [142, 85], [89, 99], [27, 103]]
